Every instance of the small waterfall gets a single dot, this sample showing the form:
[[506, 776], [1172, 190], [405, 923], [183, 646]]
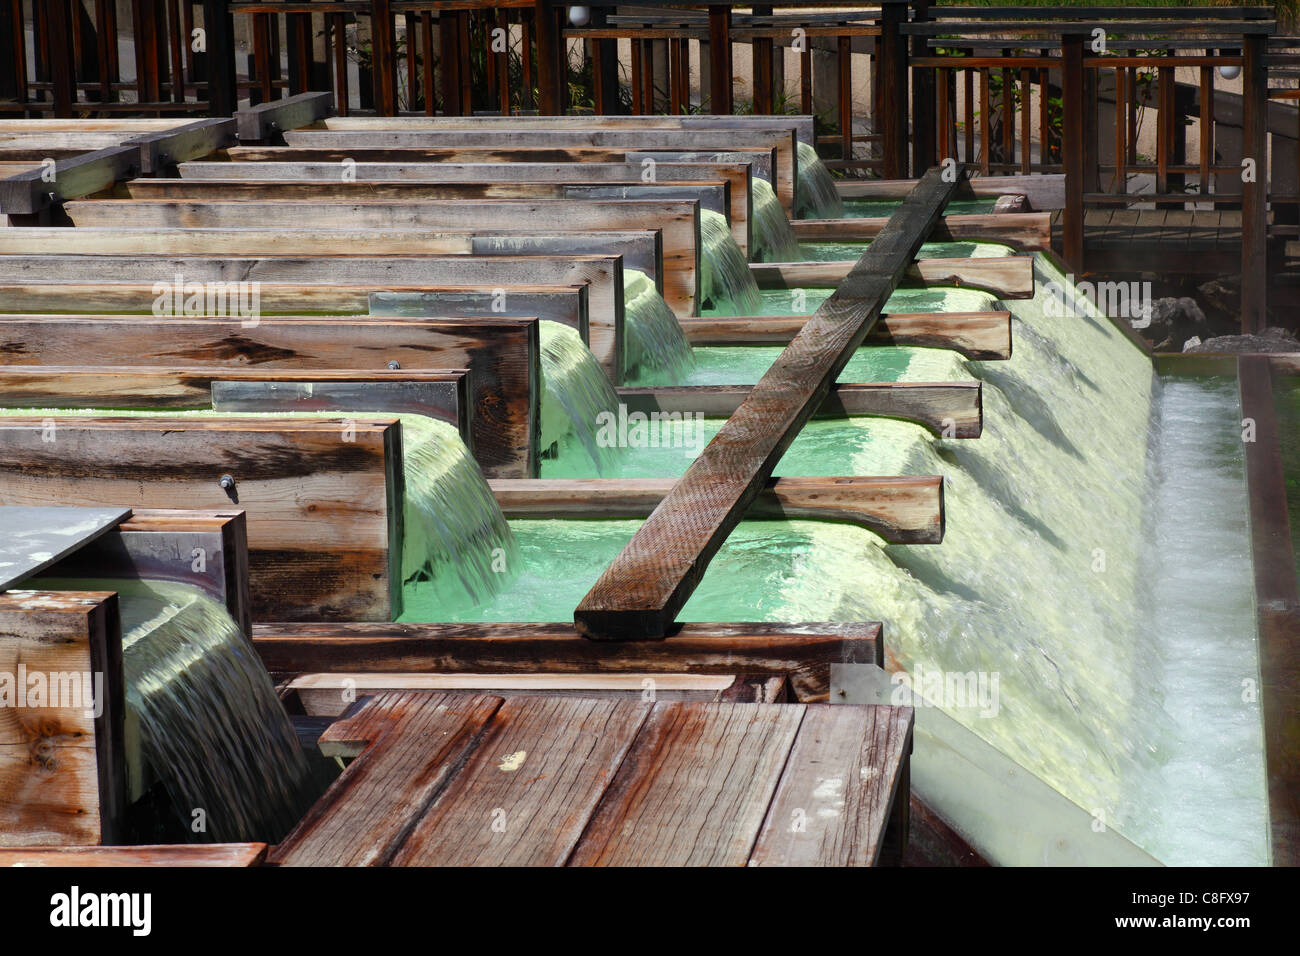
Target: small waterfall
[[815, 194], [576, 391], [727, 286], [656, 346], [457, 543], [212, 730], [773, 236]]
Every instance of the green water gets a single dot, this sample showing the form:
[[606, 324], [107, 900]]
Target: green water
[[726, 285], [873, 208], [773, 238], [575, 392], [654, 343], [840, 251], [815, 194]]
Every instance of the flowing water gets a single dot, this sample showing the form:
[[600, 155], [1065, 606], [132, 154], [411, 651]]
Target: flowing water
[[1050, 579], [875, 208], [815, 194], [726, 285], [576, 392], [655, 347], [773, 238], [211, 729]]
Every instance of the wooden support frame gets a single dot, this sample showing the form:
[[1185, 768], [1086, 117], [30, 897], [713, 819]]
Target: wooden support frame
[[268, 121], [305, 485], [641, 592], [28, 193], [501, 354], [1007, 277], [803, 653], [1026, 231]]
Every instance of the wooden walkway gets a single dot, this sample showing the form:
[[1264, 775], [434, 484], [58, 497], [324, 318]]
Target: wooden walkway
[[1159, 240], [471, 779]]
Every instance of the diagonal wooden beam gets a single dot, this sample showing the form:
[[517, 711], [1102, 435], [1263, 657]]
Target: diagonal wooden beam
[[640, 593]]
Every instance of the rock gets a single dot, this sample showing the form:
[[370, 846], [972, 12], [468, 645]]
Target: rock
[[1221, 295], [1191, 343], [1178, 319], [1270, 340]]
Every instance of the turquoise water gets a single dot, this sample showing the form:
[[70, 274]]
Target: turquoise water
[[872, 208], [815, 194]]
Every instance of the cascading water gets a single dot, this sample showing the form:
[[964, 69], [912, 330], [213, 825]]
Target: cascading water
[[727, 287], [576, 393], [656, 347], [212, 730], [455, 540], [815, 194], [773, 236]]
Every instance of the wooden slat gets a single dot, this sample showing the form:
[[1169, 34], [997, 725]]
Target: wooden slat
[[900, 510], [161, 855], [640, 593], [838, 788], [1026, 231], [802, 652], [1008, 277], [574, 745], [274, 117], [976, 335], [393, 785], [1044, 192], [694, 789], [948, 409]]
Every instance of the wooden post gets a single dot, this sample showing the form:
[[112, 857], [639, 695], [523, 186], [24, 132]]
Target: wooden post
[[549, 42], [223, 94], [641, 592], [762, 47], [720, 60], [924, 146], [605, 68], [1072, 149], [63, 64], [1254, 195], [449, 55], [893, 82], [845, 52], [384, 61]]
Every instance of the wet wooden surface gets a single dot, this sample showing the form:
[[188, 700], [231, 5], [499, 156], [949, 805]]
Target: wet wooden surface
[[471, 779]]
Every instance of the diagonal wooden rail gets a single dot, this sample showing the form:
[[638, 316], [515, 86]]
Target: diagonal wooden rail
[[641, 592]]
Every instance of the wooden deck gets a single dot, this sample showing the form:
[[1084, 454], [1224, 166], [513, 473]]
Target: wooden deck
[[471, 779], [1159, 240]]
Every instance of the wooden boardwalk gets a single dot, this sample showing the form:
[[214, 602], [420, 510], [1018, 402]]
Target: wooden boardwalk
[[1159, 240], [471, 779]]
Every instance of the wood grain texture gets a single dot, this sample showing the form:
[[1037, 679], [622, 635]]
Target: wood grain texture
[[1007, 277], [1028, 232], [156, 855], [838, 788], [503, 356], [62, 767], [364, 817], [527, 791], [976, 335], [694, 788], [899, 510], [802, 652], [322, 497], [640, 593], [677, 220], [1045, 192]]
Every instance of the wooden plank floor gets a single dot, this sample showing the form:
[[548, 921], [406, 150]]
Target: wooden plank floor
[[463, 779], [1173, 230]]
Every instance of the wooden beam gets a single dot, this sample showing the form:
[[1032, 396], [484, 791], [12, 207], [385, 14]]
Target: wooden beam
[[1044, 192], [160, 855], [1007, 277], [899, 510], [976, 335], [640, 593], [30, 192], [271, 119], [164, 148], [502, 355], [803, 652], [949, 409], [1028, 232]]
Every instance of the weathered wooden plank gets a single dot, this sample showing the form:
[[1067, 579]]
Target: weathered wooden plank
[[948, 409], [163, 855], [845, 772], [364, 816], [694, 788], [802, 652], [1044, 192], [501, 354], [62, 765], [323, 497], [32, 191], [168, 147], [564, 304], [640, 593], [444, 395], [272, 118], [976, 335], [900, 510], [332, 694], [495, 813], [1007, 277], [1028, 232]]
